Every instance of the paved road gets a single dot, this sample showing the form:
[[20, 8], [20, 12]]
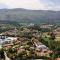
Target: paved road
[[6, 58]]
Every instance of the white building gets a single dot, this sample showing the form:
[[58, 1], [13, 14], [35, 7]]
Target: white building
[[7, 40]]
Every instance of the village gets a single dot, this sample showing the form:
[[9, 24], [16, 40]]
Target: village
[[32, 42]]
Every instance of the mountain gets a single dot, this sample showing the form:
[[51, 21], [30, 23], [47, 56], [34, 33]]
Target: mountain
[[34, 16]]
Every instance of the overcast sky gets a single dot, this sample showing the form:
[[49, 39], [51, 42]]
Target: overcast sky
[[31, 4]]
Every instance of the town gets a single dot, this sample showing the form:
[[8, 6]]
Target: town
[[30, 41]]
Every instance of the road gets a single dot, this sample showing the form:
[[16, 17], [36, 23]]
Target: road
[[6, 58]]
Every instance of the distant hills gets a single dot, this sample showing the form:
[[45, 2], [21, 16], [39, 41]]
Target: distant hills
[[28, 16]]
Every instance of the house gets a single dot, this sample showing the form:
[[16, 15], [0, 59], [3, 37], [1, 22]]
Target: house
[[7, 40], [42, 48], [46, 26], [57, 32]]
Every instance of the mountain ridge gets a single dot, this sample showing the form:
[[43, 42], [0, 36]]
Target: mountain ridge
[[28, 16]]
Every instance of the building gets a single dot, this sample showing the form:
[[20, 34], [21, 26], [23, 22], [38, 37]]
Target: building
[[9, 40], [46, 26]]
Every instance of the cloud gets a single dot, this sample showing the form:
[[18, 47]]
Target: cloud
[[28, 4], [3, 6], [51, 4], [33, 4]]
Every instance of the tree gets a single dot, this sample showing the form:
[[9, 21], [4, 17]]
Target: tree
[[11, 53], [2, 54], [52, 44]]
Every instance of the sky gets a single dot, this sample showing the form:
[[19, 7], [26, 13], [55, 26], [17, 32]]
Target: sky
[[31, 4]]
